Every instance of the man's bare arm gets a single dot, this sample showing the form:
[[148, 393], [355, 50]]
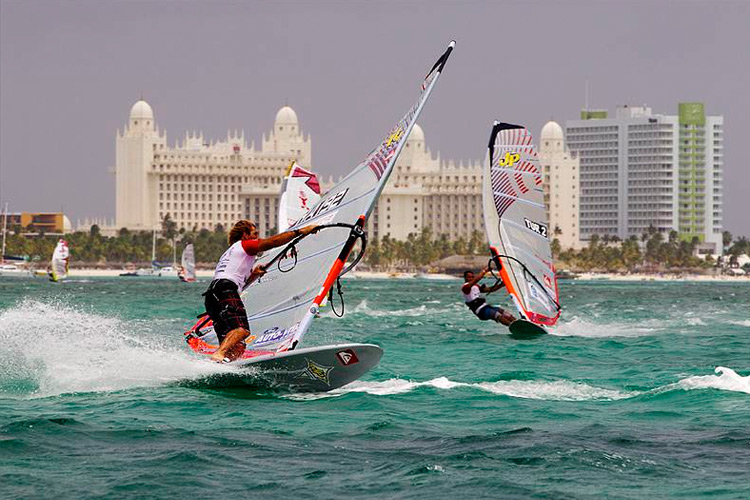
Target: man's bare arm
[[284, 238], [476, 279]]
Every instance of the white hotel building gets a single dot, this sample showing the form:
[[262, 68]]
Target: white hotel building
[[561, 171], [201, 184], [639, 169]]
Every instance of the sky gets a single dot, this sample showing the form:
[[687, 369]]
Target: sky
[[71, 70]]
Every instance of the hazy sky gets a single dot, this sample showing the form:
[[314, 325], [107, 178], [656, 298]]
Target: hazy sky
[[70, 71]]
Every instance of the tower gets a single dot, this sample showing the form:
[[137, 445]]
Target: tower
[[134, 154]]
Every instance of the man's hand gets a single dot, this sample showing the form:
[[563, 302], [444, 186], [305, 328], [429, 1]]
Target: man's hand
[[312, 228], [257, 272]]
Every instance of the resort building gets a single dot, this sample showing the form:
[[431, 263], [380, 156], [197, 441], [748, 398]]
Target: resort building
[[34, 223], [561, 173], [639, 169], [424, 191], [201, 184]]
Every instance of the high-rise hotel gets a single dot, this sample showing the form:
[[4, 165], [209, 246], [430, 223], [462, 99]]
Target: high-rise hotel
[[640, 169]]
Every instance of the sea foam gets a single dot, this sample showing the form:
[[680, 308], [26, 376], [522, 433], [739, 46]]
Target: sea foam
[[726, 380], [543, 390], [63, 349]]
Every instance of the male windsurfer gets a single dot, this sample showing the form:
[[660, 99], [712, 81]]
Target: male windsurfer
[[473, 291], [236, 269]]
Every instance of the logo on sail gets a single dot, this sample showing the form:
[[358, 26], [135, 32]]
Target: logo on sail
[[314, 371], [538, 228], [509, 159], [329, 203]]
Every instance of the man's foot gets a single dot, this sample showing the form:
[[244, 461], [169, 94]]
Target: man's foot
[[219, 358], [225, 354]]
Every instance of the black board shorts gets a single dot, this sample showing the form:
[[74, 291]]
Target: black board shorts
[[225, 308]]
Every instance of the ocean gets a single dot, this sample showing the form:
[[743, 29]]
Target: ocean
[[642, 391]]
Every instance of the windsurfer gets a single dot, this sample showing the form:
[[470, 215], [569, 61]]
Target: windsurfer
[[473, 290], [236, 269]]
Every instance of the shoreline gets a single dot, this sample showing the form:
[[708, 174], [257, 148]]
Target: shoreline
[[203, 274]]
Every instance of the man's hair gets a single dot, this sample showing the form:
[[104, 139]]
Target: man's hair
[[240, 228], [467, 272]]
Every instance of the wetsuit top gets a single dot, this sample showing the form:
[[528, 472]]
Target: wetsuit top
[[473, 298], [237, 262]]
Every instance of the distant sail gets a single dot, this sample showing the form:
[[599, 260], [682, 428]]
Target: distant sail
[[516, 223], [300, 191], [187, 273], [59, 264]]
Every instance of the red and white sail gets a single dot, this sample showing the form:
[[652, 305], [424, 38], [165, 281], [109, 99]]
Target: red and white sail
[[516, 223], [300, 191]]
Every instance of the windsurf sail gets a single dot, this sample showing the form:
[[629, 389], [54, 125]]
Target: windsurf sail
[[300, 191], [282, 304], [59, 263], [187, 272], [516, 224]]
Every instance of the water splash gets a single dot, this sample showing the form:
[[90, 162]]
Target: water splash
[[726, 380], [51, 348], [422, 310], [579, 327], [526, 389]]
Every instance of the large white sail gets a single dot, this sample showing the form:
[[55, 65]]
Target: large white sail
[[59, 263], [281, 305], [516, 223], [300, 191], [187, 272]]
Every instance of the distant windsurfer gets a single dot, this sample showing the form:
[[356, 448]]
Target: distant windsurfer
[[473, 291], [235, 270]]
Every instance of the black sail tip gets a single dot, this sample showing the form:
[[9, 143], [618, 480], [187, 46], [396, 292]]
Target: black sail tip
[[498, 127]]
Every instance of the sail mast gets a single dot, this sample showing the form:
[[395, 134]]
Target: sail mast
[[399, 135]]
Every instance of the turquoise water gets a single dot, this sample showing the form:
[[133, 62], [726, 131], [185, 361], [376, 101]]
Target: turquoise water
[[642, 392]]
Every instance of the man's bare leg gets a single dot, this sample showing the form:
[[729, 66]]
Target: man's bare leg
[[505, 318], [229, 348]]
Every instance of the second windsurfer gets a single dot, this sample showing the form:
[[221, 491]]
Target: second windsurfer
[[236, 268], [472, 292]]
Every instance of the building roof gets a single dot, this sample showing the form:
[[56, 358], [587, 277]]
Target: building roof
[[417, 134], [141, 111], [552, 131], [286, 115]]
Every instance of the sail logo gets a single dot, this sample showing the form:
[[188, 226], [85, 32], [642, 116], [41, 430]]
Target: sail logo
[[303, 199], [347, 357], [394, 137], [509, 159], [538, 228], [274, 334], [328, 204]]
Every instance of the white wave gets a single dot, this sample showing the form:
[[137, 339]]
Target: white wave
[[726, 380], [578, 327], [526, 389], [64, 350], [560, 390], [423, 310], [745, 322]]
